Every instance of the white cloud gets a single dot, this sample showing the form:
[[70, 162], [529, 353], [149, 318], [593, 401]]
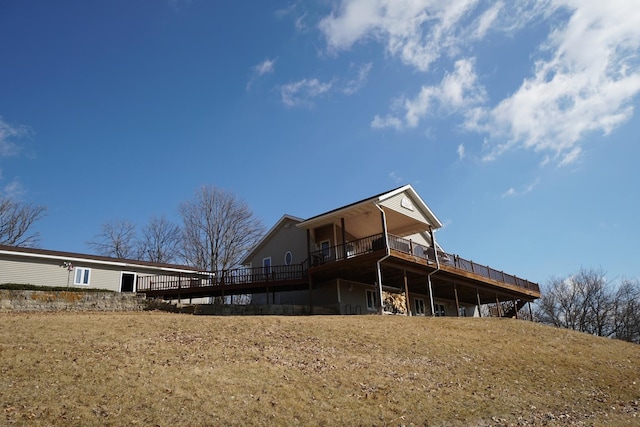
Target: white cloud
[[512, 192], [267, 66], [14, 190], [302, 92], [354, 85], [397, 179], [418, 32], [457, 92], [584, 80], [587, 84], [509, 193], [460, 151], [8, 133]]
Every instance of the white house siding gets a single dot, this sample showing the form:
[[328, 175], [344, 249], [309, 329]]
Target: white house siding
[[49, 270], [395, 203], [39, 272]]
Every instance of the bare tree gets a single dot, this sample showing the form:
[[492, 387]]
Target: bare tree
[[160, 241], [218, 229], [583, 301], [116, 239], [16, 221], [626, 312]]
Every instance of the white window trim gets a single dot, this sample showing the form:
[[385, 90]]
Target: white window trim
[[285, 258], [135, 279], [415, 307], [83, 270]]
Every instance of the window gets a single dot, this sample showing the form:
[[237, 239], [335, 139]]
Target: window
[[288, 258], [326, 249], [266, 263], [82, 276], [439, 310], [372, 300], [419, 306]]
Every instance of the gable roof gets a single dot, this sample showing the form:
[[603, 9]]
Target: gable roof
[[360, 206], [74, 257]]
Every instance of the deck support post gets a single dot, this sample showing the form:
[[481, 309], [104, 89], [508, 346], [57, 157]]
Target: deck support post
[[530, 311], [515, 307], [498, 308], [479, 304], [310, 295], [344, 238], [406, 293], [455, 291], [433, 312]]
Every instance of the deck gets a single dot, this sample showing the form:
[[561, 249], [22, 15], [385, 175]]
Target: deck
[[353, 258]]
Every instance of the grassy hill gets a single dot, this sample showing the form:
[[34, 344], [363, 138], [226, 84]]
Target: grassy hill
[[170, 369]]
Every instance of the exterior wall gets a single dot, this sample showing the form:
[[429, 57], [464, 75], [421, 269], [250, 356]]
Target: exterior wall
[[395, 203], [323, 295], [353, 297], [288, 238], [51, 272], [325, 233], [449, 306]]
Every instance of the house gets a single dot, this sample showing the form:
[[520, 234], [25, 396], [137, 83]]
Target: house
[[65, 269], [377, 255]]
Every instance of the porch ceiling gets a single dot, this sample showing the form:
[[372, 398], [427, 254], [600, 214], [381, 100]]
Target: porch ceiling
[[365, 220]]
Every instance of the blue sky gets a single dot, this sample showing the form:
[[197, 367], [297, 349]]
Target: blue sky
[[516, 121]]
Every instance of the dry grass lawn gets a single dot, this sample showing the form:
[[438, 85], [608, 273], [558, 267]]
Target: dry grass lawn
[[169, 369]]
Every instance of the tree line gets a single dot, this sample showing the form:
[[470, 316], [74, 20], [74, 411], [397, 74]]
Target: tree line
[[217, 230], [588, 302]]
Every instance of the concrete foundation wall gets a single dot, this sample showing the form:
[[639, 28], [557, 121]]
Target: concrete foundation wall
[[39, 301]]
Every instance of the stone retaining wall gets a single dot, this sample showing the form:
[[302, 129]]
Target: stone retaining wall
[[39, 301], [249, 310]]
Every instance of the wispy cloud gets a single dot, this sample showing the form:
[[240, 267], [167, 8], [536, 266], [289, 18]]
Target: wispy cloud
[[457, 92], [354, 85], [13, 190], [268, 66], [303, 92], [584, 80], [461, 151], [512, 192], [397, 179], [8, 135]]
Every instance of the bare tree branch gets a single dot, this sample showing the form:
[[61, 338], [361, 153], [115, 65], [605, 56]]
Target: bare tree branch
[[117, 239], [160, 241], [218, 229], [16, 220]]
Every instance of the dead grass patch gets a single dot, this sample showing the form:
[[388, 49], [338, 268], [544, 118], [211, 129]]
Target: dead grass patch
[[170, 369]]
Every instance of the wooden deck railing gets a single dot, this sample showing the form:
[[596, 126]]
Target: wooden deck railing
[[400, 244], [238, 276]]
